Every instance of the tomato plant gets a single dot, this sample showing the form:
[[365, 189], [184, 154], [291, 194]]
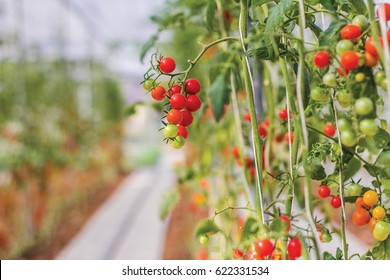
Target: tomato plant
[[264, 81]]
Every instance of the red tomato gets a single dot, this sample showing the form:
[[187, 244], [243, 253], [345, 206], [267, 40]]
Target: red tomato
[[330, 130], [350, 32], [360, 203], [283, 114], [336, 202], [174, 116], [264, 247], [321, 59], [174, 89], [167, 65], [182, 131], [262, 131], [287, 221], [342, 72], [294, 248], [370, 46], [236, 152], [324, 191], [238, 254], [158, 93], [192, 86], [361, 217], [387, 11], [187, 118], [349, 60], [289, 137], [193, 103], [247, 116], [178, 101]]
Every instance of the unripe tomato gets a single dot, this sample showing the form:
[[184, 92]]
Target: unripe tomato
[[370, 198], [330, 130], [178, 142], [329, 79], [158, 93], [335, 202], [193, 103], [368, 127], [320, 95], [364, 106], [178, 101], [343, 46], [370, 60], [344, 124], [349, 60], [321, 59], [167, 65], [326, 237], [379, 77], [203, 239], [381, 230], [359, 77], [264, 247], [348, 138], [361, 217], [294, 248], [187, 118], [192, 86], [378, 213], [289, 137], [174, 116], [350, 32], [324, 191], [170, 130], [148, 84], [354, 189], [361, 21]]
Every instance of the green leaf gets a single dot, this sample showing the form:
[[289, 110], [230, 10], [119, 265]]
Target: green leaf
[[207, 227], [386, 187], [328, 256], [317, 171], [381, 139], [331, 36], [210, 14], [381, 250], [147, 46], [219, 95], [339, 254], [168, 202], [257, 3], [315, 28], [250, 228], [260, 53], [278, 225], [329, 4], [355, 6], [276, 15], [384, 159], [352, 168]]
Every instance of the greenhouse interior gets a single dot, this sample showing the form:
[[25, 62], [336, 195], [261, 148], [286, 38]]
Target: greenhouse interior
[[194, 130]]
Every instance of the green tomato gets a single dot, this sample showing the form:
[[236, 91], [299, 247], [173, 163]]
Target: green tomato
[[345, 98], [384, 84], [170, 130], [148, 84], [329, 79], [364, 106], [348, 138], [354, 190], [343, 46], [344, 124], [368, 127], [203, 239], [320, 95], [382, 228], [178, 142], [326, 237], [379, 77], [361, 21]]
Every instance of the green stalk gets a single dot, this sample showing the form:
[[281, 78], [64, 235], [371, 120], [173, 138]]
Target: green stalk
[[301, 129], [257, 141]]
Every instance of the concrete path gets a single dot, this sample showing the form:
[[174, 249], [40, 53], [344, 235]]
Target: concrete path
[[127, 226]]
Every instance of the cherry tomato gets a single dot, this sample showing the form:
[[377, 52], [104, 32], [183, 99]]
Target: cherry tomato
[[174, 89], [321, 59], [344, 124], [345, 98], [251, 255], [187, 118], [247, 116], [264, 247], [289, 137], [262, 131], [379, 213], [158, 93], [386, 7], [320, 95], [372, 223], [238, 254], [378, 236], [182, 131], [348, 138], [283, 114], [368, 127], [326, 237], [382, 228], [324, 191], [360, 203], [192, 86], [236, 152], [329, 79], [286, 221], [202, 254], [178, 101], [342, 72], [170, 130], [361, 217], [359, 77], [203, 239], [370, 198], [294, 248], [370, 46], [167, 65], [354, 189], [174, 116], [349, 60], [361, 21], [370, 60], [350, 32], [178, 142], [193, 103], [335, 202], [388, 36], [148, 84], [330, 130], [343, 46], [379, 77], [364, 106]]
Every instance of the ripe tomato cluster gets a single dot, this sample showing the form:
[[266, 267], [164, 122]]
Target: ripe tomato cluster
[[370, 212], [353, 61], [324, 192], [181, 100]]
